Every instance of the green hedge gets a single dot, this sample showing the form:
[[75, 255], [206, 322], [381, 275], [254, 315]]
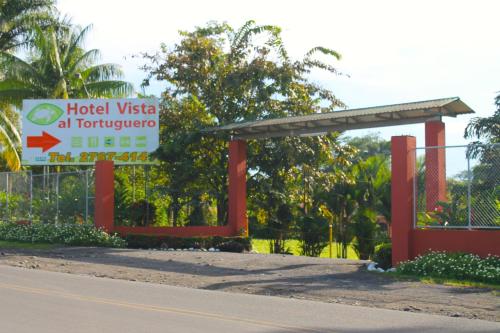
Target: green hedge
[[456, 266], [68, 234], [228, 244]]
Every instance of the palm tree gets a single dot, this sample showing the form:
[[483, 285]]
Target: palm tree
[[59, 67], [485, 129], [17, 18]]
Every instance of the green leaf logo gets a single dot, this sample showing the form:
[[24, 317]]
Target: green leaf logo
[[44, 114]]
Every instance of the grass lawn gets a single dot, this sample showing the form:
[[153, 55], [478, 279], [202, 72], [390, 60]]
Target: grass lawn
[[23, 245], [293, 245], [447, 282]]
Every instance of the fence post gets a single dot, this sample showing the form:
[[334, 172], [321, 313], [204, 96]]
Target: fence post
[[57, 198], [133, 184], [7, 191], [402, 210], [31, 195], [146, 194], [104, 195], [469, 184], [86, 195]]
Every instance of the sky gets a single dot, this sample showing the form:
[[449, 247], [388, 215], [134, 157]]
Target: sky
[[392, 51]]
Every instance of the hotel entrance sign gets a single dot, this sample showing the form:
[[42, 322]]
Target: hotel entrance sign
[[77, 131]]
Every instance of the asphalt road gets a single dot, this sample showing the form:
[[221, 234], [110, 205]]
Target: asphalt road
[[39, 301]]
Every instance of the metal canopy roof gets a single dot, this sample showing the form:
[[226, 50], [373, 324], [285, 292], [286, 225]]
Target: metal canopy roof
[[340, 121]]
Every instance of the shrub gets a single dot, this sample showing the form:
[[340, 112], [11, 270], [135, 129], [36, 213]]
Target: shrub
[[313, 235], [245, 242], [142, 213], [365, 229], [457, 266], [278, 227], [230, 244], [143, 241], [68, 234], [383, 255]]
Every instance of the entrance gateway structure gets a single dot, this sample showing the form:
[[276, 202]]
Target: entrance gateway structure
[[407, 241]]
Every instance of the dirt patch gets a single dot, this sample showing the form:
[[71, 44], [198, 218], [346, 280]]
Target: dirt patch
[[325, 280]]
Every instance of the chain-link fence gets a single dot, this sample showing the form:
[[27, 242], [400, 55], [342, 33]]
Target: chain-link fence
[[143, 197], [58, 197], [457, 187]]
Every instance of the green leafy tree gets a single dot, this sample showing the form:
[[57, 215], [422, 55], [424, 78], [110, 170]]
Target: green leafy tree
[[373, 162], [291, 172], [361, 199], [217, 75], [365, 232], [375, 177], [313, 228], [357, 202], [487, 128], [369, 145], [342, 200]]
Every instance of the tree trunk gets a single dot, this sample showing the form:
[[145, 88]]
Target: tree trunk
[[174, 210], [221, 210]]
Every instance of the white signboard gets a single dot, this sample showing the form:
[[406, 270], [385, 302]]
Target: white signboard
[[83, 131]]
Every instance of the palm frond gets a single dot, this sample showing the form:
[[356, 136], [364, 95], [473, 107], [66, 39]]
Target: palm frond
[[248, 30], [76, 41], [73, 65], [487, 128], [323, 50], [9, 151], [16, 68], [110, 89], [102, 72], [243, 31], [14, 91], [321, 65], [10, 129]]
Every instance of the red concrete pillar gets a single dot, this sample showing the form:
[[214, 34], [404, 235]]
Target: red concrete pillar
[[237, 211], [403, 174], [104, 195], [435, 164]]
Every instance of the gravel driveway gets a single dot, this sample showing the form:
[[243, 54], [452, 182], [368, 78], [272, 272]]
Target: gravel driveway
[[320, 279]]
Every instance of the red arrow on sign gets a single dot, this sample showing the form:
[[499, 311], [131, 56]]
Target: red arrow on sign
[[46, 141]]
